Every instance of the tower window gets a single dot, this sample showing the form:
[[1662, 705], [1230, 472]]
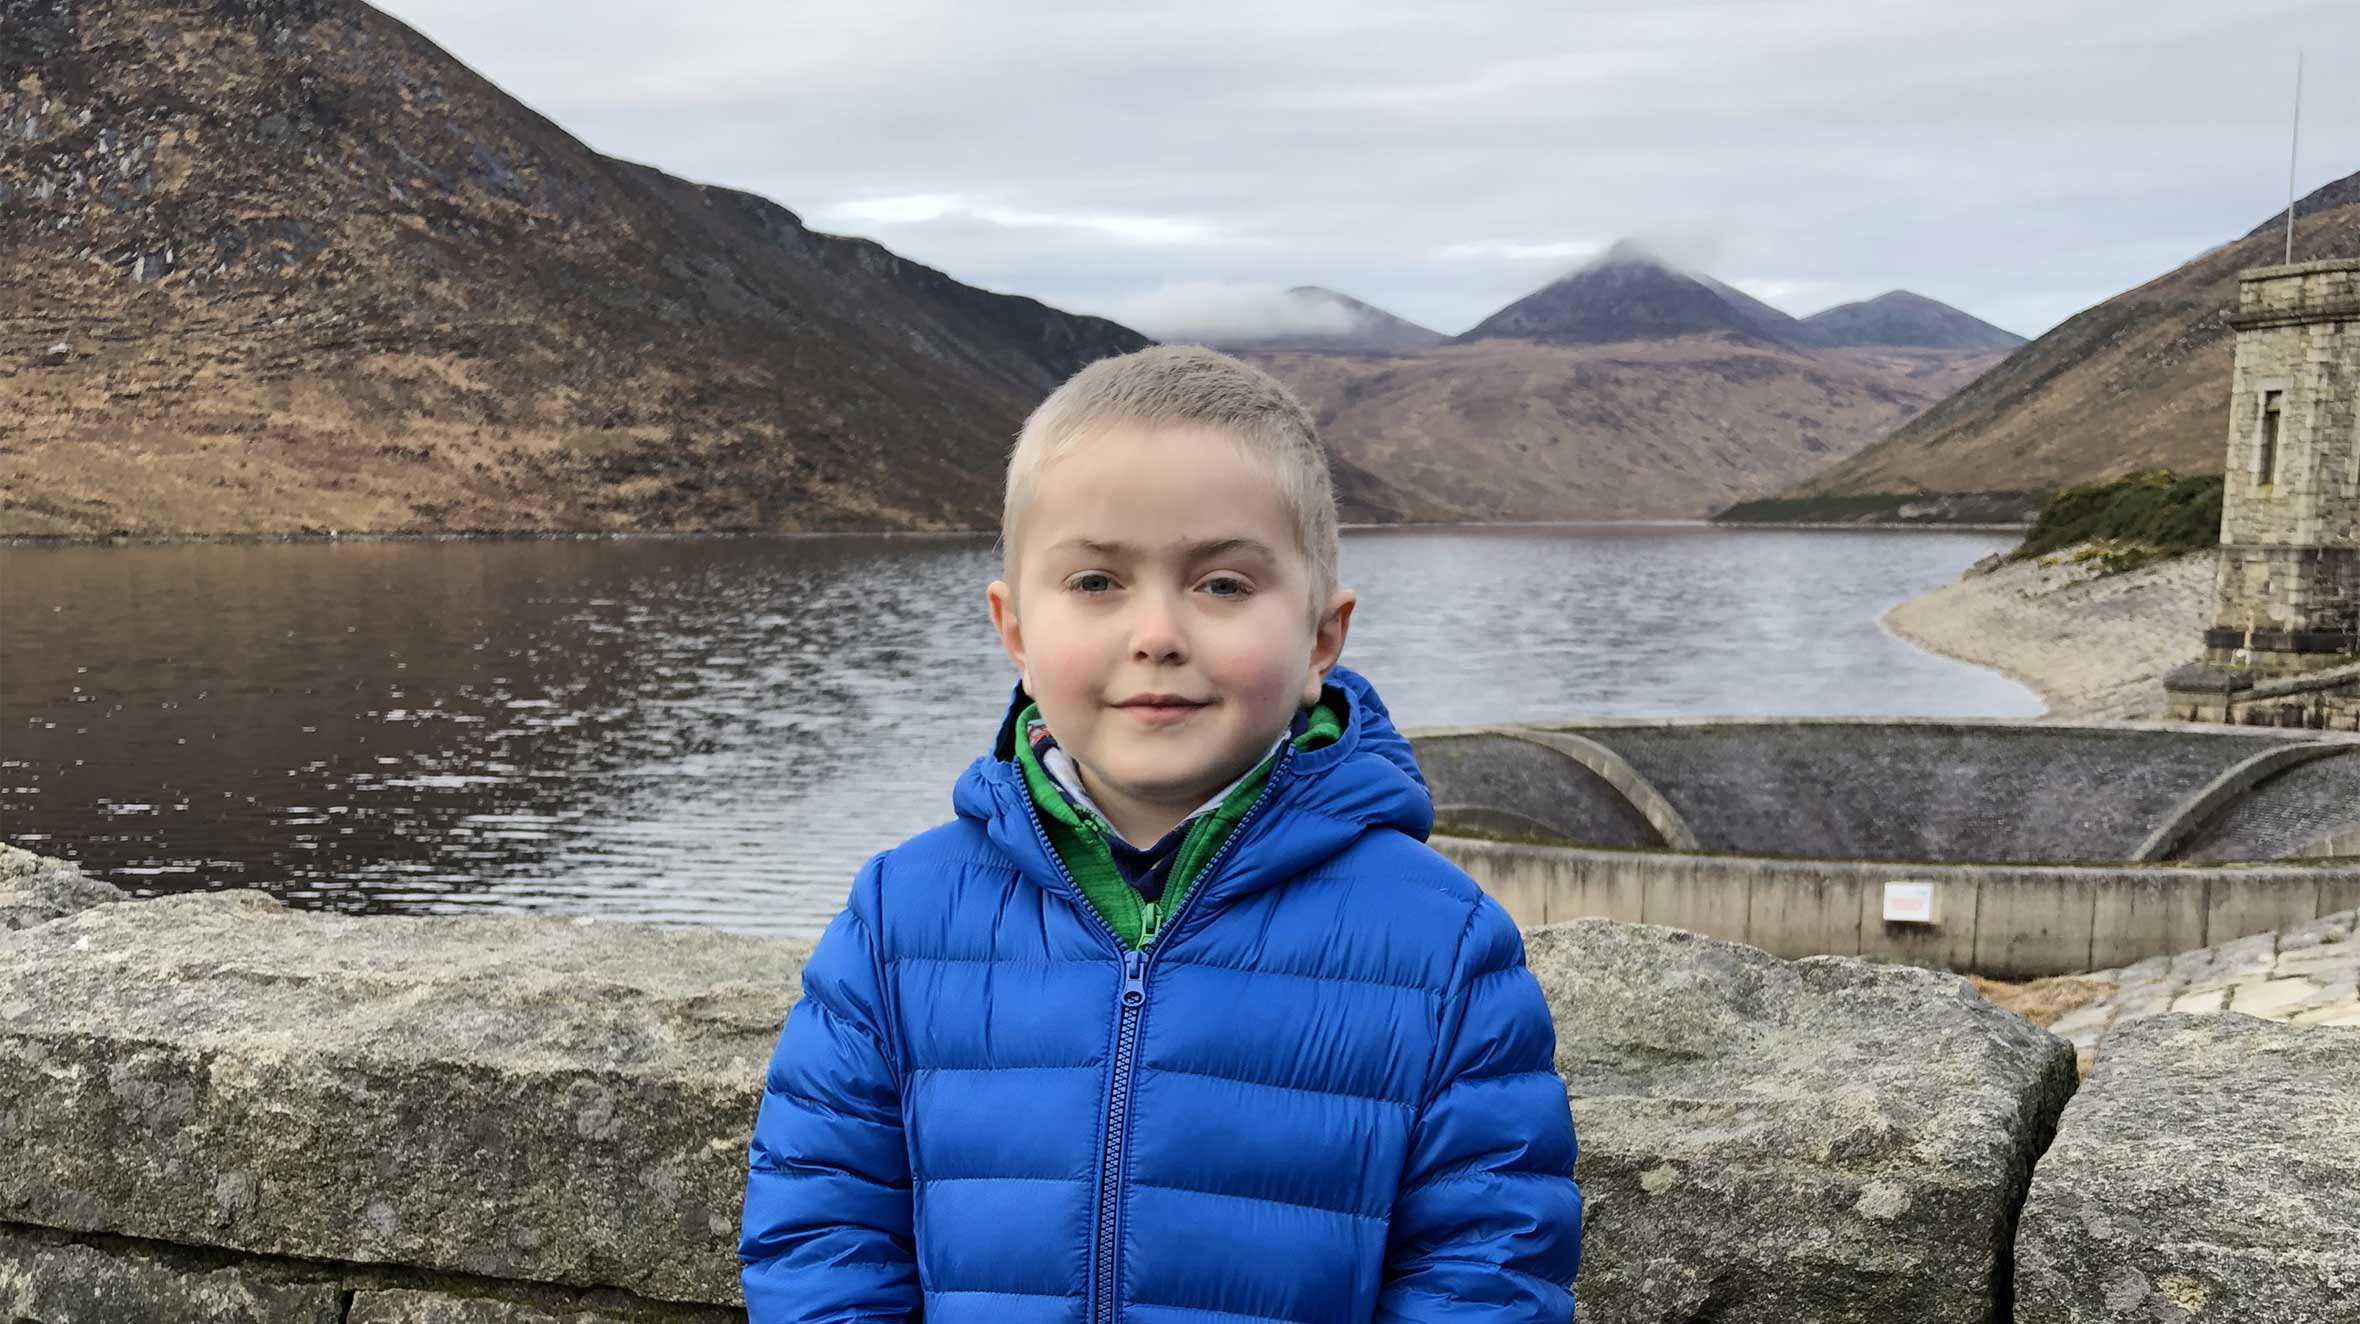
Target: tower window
[[2266, 463]]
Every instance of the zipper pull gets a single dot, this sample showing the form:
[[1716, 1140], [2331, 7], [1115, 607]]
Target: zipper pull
[[1150, 915], [1134, 977]]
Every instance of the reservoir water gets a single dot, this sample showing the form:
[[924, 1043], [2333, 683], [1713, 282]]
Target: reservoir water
[[719, 731]]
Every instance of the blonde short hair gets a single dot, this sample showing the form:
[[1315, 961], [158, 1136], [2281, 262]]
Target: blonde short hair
[[1187, 385]]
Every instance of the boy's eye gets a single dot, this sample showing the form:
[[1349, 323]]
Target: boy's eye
[[1228, 586], [1091, 581]]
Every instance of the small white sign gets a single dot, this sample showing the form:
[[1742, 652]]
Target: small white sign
[[1909, 903]]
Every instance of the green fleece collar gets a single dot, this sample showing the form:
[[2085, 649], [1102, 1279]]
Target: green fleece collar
[[1080, 840]]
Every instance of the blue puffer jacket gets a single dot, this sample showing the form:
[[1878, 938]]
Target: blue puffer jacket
[[1325, 1093]]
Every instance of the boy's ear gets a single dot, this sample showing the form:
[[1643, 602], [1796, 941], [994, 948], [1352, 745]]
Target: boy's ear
[[1002, 600], [1327, 642]]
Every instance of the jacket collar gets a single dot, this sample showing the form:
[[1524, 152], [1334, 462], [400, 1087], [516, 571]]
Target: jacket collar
[[1318, 802]]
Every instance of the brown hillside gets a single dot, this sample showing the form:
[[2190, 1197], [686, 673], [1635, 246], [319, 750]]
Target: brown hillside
[[2137, 382], [1518, 430], [284, 264]]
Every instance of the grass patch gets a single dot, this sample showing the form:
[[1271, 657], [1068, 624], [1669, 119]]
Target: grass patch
[[2044, 1001], [2131, 521]]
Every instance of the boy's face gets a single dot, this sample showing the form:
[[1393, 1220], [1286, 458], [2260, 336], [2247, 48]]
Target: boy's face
[[1160, 617]]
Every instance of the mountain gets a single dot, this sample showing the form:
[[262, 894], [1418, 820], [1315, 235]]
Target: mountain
[[284, 264], [1653, 429], [1317, 318], [2140, 381], [1630, 389], [1898, 317], [1630, 294]]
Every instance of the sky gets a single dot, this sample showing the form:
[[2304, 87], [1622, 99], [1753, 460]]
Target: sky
[[1156, 163]]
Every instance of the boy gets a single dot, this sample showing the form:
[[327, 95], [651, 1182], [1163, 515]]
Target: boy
[[1179, 1021]]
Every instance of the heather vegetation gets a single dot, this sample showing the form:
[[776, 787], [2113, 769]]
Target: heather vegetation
[[2130, 521]]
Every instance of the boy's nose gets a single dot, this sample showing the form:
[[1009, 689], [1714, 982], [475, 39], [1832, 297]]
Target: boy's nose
[[1155, 632]]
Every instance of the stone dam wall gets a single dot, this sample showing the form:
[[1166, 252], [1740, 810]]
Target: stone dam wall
[[1908, 790], [2003, 921], [215, 1108], [2049, 849]]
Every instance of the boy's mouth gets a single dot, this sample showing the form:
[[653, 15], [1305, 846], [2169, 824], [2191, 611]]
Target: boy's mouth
[[1160, 709]]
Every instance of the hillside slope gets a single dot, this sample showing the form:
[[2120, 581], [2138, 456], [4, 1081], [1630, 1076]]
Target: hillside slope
[[2140, 381], [1679, 428], [285, 264], [1628, 389]]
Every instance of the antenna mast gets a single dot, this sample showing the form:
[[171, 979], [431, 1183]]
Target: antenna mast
[[2294, 140]]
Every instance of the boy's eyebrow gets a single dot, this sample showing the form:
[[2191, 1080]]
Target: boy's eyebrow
[[1193, 551]]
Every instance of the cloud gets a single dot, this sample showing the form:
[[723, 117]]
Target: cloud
[[2015, 157], [1220, 310], [1692, 245], [927, 208], [1559, 250]]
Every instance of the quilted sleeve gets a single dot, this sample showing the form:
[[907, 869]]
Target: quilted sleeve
[[1487, 1224], [826, 1236]]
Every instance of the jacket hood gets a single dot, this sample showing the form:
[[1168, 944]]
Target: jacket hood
[[1318, 801]]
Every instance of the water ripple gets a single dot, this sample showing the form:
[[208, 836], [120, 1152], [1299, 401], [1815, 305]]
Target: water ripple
[[719, 731]]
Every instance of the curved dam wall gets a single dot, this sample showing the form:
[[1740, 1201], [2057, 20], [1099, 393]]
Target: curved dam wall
[[2047, 849], [2004, 921], [2023, 793]]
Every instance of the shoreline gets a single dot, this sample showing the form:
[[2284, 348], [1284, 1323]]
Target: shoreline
[[2048, 699], [2090, 645], [621, 535], [463, 535], [1874, 526]]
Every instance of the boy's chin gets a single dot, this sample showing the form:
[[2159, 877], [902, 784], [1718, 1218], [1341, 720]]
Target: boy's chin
[[1182, 789]]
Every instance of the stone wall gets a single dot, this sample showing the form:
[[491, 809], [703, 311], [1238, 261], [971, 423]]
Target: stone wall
[[218, 1109], [221, 1109], [2323, 699]]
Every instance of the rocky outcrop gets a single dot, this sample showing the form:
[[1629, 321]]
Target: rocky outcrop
[[1827, 1139], [35, 889], [2204, 1173], [520, 1100]]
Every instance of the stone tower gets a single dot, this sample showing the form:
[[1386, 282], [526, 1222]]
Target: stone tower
[[2287, 592]]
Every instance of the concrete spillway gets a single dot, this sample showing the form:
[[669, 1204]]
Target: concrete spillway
[[1926, 791], [2048, 848]]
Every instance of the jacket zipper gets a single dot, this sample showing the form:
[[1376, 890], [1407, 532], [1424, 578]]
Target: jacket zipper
[[1118, 1116], [1130, 1005]]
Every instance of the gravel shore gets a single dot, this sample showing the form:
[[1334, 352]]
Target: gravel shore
[[2091, 645]]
